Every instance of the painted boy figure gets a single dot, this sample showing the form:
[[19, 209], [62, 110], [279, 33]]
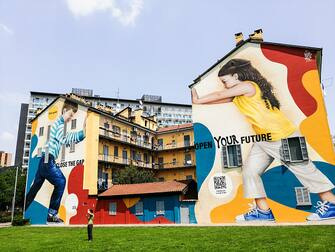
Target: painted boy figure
[[47, 168]]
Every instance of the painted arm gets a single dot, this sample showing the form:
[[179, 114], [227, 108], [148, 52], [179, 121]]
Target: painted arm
[[71, 137], [224, 96]]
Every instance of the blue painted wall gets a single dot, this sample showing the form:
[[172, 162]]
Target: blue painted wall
[[279, 183], [171, 207]]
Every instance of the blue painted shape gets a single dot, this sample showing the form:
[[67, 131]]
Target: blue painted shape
[[204, 157], [149, 208], [37, 213], [279, 186], [33, 163]]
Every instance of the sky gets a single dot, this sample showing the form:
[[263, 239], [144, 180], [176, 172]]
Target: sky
[[141, 46]]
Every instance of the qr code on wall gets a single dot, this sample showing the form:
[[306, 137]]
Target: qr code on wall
[[220, 182]]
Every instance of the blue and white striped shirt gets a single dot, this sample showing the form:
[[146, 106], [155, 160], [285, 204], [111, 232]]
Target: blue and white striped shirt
[[57, 138]]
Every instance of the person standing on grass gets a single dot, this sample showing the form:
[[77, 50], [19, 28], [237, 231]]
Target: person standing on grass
[[90, 217]]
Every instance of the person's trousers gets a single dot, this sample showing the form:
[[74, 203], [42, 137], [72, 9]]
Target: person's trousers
[[50, 172], [90, 232], [259, 159]]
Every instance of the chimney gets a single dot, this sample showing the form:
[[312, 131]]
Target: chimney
[[238, 38], [257, 35]]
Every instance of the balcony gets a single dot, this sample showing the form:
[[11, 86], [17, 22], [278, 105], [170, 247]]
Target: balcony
[[174, 165], [102, 184], [170, 146], [124, 138], [124, 161]]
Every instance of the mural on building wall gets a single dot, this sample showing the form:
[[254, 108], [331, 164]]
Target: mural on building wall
[[57, 150], [263, 145]]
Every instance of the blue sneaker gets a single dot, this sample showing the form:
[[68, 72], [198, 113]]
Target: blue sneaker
[[256, 214], [324, 211]]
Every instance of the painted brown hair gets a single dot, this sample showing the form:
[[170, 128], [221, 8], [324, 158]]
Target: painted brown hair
[[246, 72]]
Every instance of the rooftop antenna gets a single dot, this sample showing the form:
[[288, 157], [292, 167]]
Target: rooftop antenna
[[118, 99]]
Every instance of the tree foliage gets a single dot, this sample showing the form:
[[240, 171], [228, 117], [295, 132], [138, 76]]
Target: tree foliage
[[7, 182], [133, 175]]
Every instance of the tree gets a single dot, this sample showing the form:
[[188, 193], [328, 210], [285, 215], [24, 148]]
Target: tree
[[133, 175], [7, 181]]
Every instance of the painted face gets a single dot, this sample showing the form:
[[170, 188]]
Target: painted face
[[229, 80], [68, 115]]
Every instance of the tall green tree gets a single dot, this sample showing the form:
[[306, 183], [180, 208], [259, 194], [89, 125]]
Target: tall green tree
[[134, 175], [7, 182]]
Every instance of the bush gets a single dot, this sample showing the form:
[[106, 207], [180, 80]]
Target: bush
[[5, 217], [18, 221]]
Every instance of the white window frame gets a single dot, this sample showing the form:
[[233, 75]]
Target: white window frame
[[72, 147], [302, 196], [286, 151], [41, 131], [225, 160], [139, 208], [160, 207], [112, 208], [74, 124]]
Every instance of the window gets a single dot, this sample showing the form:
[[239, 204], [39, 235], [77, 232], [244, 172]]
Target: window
[[112, 208], [174, 161], [106, 125], [302, 196], [41, 131], [73, 123], [145, 123], [188, 159], [231, 156], [160, 207], [116, 130], [72, 147], [116, 151], [294, 149], [160, 143], [146, 158], [189, 177], [160, 162], [28, 137], [186, 140], [139, 208], [48, 132]]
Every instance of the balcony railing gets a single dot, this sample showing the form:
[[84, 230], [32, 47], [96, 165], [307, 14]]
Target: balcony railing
[[102, 184], [124, 161], [169, 146], [187, 163], [124, 138]]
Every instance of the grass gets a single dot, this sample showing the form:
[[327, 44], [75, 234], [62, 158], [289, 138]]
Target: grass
[[290, 238]]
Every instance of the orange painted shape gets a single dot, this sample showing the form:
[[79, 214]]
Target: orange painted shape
[[62, 212], [283, 213], [239, 205], [129, 202], [52, 112], [226, 213], [315, 127], [34, 127]]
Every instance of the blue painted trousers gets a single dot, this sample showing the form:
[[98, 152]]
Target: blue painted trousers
[[50, 172]]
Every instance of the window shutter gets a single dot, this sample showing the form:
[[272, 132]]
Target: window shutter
[[303, 148], [239, 155], [285, 150], [303, 197], [224, 157]]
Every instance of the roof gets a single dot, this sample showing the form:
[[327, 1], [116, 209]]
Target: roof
[[144, 188], [175, 127], [253, 42], [114, 99]]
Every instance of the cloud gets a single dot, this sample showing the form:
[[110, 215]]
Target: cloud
[[6, 29], [126, 16]]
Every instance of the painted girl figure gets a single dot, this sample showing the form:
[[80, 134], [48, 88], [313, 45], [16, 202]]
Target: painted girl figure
[[253, 96]]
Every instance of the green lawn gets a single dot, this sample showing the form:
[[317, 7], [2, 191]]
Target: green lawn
[[302, 238]]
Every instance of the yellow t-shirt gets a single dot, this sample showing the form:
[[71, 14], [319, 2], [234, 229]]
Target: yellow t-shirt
[[262, 119]]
